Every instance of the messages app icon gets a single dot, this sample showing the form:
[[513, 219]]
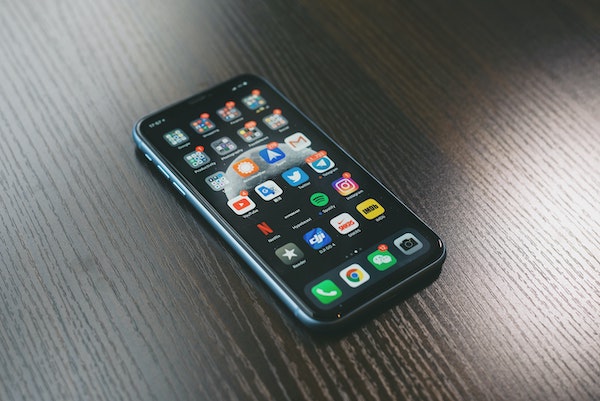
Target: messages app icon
[[382, 259], [295, 176]]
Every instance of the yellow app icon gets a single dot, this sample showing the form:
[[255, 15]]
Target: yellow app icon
[[370, 209]]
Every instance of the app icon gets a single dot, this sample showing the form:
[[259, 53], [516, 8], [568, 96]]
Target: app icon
[[229, 112], [382, 259], [272, 155], [317, 238], [275, 120], [370, 209], [217, 181], [322, 164], [268, 190], [241, 204], [196, 159], [319, 199], [203, 124], [250, 133], [344, 223], [289, 253], [408, 243], [264, 228], [354, 275], [223, 146], [297, 141], [245, 167], [254, 100], [326, 292], [295, 176], [345, 186], [176, 137]]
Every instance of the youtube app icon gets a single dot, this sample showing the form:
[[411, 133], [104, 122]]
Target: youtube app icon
[[241, 204]]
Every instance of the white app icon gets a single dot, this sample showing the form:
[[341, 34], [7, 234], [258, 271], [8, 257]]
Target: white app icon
[[323, 164], [344, 223], [268, 190], [354, 275], [297, 141]]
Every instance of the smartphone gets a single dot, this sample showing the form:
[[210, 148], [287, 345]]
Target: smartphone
[[325, 235]]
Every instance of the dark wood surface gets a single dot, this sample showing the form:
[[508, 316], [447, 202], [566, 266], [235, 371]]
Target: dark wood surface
[[483, 116]]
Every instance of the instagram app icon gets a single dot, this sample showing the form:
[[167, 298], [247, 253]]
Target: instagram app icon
[[345, 186]]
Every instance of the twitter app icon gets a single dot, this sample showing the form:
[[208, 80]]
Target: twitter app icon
[[295, 176]]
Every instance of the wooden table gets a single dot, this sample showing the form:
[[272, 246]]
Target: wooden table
[[483, 116]]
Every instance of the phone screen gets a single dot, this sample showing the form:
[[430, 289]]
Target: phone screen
[[323, 228]]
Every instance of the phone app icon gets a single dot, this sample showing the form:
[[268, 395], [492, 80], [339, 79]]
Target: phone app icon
[[268, 190], [254, 100], [382, 259], [354, 275], [289, 253], [319, 199], [264, 228], [295, 176], [408, 243], [272, 155], [196, 159], [249, 133], [345, 186], [203, 124], [317, 238], [176, 137], [370, 209], [245, 167], [217, 181], [275, 120], [326, 292], [344, 223], [322, 164], [223, 146], [241, 204], [229, 112], [297, 141]]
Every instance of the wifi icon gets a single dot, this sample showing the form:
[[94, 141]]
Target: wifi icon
[[319, 199]]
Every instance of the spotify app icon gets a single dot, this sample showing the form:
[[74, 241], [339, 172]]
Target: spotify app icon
[[319, 199]]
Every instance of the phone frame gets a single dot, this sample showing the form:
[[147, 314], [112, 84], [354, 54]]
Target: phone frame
[[298, 307]]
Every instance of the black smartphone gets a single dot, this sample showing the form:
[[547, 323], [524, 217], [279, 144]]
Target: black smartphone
[[326, 236]]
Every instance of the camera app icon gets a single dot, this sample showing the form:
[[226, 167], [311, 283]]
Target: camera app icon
[[408, 244]]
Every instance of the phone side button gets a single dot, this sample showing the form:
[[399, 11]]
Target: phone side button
[[162, 171], [148, 156], [181, 191]]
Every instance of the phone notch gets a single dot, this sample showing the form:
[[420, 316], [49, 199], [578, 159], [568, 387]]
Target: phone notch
[[199, 98]]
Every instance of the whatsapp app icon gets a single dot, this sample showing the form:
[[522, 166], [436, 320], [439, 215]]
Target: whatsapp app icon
[[382, 260]]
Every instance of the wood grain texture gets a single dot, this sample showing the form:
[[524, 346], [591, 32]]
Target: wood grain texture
[[484, 117]]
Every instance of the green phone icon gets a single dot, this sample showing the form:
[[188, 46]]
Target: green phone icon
[[326, 292]]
